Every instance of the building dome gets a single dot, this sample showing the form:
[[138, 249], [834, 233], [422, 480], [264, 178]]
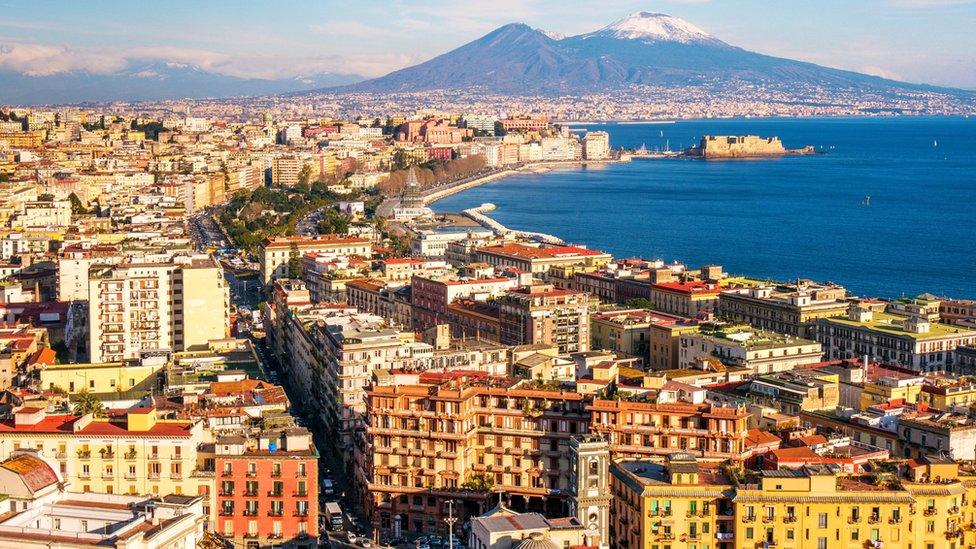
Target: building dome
[[536, 541]]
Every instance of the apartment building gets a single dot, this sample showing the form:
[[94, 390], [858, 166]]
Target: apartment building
[[137, 308], [545, 314], [596, 146], [456, 436], [67, 520], [642, 427], [760, 351], [537, 260], [685, 502], [431, 296], [267, 489], [787, 309], [688, 299], [677, 501], [74, 263], [137, 453], [909, 341], [285, 171], [274, 253], [644, 333]]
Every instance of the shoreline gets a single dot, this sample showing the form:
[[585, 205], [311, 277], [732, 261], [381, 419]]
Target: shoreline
[[534, 167]]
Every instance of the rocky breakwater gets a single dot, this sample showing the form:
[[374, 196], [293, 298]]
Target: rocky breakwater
[[742, 146]]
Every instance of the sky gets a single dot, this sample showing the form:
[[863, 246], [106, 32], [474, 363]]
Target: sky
[[927, 41]]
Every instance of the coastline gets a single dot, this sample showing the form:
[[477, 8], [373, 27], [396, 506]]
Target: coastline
[[534, 167]]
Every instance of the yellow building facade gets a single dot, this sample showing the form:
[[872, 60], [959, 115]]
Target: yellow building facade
[[901, 505], [135, 454]]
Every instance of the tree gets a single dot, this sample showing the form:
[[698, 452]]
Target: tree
[[400, 160], [87, 403], [77, 208], [305, 175], [334, 222], [294, 262], [639, 303]]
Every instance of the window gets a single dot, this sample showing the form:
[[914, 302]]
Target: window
[[822, 520], [821, 543]]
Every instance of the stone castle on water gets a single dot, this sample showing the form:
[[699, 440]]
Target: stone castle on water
[[742, 146]]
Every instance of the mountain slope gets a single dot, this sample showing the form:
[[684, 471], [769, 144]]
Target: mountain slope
[[511, 56], [644, 48], [150, 82]]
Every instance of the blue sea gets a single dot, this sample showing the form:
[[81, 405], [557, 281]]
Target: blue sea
[[782, 218]]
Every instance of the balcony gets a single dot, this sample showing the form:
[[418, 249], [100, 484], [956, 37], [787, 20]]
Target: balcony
[[749, 518], [275, 474], [227, 512], [300, 494], [153, 476], [251, 493], [769, 518], [275, 513], [724, 536], [252, 474], [275, 493], [250, 512], [84, 454], [107, 455], [853, 519], [930, 511], [873, 519], [894, 520], [226, 493], [130, 455], [789, 518], [108, 475], [130, 476], [301, 513], [61, 455], [227, 473]]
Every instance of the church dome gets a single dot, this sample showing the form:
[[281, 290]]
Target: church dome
[[536, 541]]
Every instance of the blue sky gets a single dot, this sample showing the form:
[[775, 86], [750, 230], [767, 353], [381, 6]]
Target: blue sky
[[930, 41]]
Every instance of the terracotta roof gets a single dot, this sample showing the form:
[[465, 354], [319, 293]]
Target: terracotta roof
[[50, 424], [106, 428], [43, 357], [35, 472], [757, 437], [532, 252]]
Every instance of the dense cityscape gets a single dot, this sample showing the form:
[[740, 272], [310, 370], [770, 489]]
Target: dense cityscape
[[254, 331]]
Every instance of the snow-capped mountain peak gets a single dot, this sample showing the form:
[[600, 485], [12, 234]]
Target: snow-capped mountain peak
[[555, 35], [655, 27]]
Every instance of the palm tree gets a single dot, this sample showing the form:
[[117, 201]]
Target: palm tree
[[87, 403]]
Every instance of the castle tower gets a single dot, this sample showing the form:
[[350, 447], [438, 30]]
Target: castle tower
[[589, 488]]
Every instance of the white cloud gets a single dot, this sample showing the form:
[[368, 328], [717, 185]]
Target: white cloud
[[879, 71], [353, 29], [44, 60]]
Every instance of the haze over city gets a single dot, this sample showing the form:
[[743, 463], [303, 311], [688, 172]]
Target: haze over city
[[923, 41]]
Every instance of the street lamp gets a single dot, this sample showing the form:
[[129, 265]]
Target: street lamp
[[450, 520]]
